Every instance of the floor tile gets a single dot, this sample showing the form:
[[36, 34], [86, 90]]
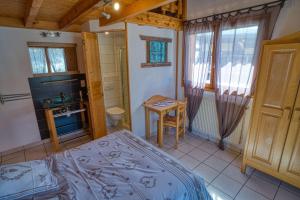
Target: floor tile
[[11, 151], [261, 186], [195, 141], [227, 185], [73, 143], [266, 177], [209, 147], [234, 173], [290, 188], [20, 158], [226, 155], [248, 194], [283, 194], [185, 148], [206, 172], [13, 155], [199, 155], [49, 149], [189, 161], [36, 153], [175, 153], [216, 163], [217, 194], [237, 161]]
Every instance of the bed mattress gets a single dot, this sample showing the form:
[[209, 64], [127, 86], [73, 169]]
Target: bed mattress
[[123, 166]]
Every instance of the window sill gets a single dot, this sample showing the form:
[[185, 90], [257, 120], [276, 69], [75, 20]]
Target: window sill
[[56, 74], [209, 89]]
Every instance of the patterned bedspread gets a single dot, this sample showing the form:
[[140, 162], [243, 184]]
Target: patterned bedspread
[[122, 166]]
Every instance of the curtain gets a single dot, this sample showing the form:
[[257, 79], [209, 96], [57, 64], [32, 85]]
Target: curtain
[[238, 43], [57, 59], [198, 41]]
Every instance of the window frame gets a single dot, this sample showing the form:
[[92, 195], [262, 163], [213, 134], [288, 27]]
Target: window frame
[[46, 46], [149, 39]]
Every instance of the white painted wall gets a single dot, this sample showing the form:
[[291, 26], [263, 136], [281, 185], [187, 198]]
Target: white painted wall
[[18, 124], [288, 20], [146, 82]]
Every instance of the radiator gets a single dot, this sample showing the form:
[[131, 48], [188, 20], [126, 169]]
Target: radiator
[[206, 124]]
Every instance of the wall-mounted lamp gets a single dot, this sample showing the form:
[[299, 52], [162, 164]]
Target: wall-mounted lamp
[[106, 33], [50, 34]]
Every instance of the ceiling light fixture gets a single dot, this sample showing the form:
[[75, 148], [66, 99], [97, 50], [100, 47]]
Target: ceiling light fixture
[[106, 15], [116, 5], [106, 33]]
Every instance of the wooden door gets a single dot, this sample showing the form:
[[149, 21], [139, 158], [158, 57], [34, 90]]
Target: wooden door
[[94, 84], [290, 162], [274, 99]]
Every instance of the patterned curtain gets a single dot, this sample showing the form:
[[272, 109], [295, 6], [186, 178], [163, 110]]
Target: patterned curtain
[[198, 41], [238, 44]]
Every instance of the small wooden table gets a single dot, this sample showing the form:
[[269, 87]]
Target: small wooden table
[[161, 111]]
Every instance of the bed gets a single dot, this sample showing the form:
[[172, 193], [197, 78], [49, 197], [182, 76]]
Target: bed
[[121, 166]]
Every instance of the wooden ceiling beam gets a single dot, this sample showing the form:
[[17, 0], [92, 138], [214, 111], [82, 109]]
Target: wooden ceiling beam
[[38, 24], [32, 10], [157, 20], [137, 7], [81, 8]]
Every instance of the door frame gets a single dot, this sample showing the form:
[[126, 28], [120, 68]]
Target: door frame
[[127, 65]]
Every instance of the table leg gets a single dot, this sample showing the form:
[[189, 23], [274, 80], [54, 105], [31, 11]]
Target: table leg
[[160, 130], [52, 130], [147, 123]]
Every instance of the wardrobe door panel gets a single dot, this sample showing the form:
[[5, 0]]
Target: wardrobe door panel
[[290, 162], [275, 96]]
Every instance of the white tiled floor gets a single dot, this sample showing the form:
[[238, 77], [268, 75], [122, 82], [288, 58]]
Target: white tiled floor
[[40, 151], [219, 169]]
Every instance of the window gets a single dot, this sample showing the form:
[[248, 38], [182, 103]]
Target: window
[[156, 51], [236, 49], [52, 58], [203, 57], [57, 59], [38, 60], [236, 55]]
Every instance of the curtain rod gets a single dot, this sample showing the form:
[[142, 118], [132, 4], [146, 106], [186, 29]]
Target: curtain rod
[[261, 6]]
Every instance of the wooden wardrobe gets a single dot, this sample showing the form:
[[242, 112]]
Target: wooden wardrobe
[[273, 141]]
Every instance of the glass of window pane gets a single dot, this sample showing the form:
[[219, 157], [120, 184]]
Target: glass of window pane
[[203, 58], [38, 60], [236, 60], [57, 59]]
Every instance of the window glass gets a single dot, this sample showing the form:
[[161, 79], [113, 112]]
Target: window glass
[[201, 67], [157, 52], [57, 60], [236, 56], [38, 60]]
